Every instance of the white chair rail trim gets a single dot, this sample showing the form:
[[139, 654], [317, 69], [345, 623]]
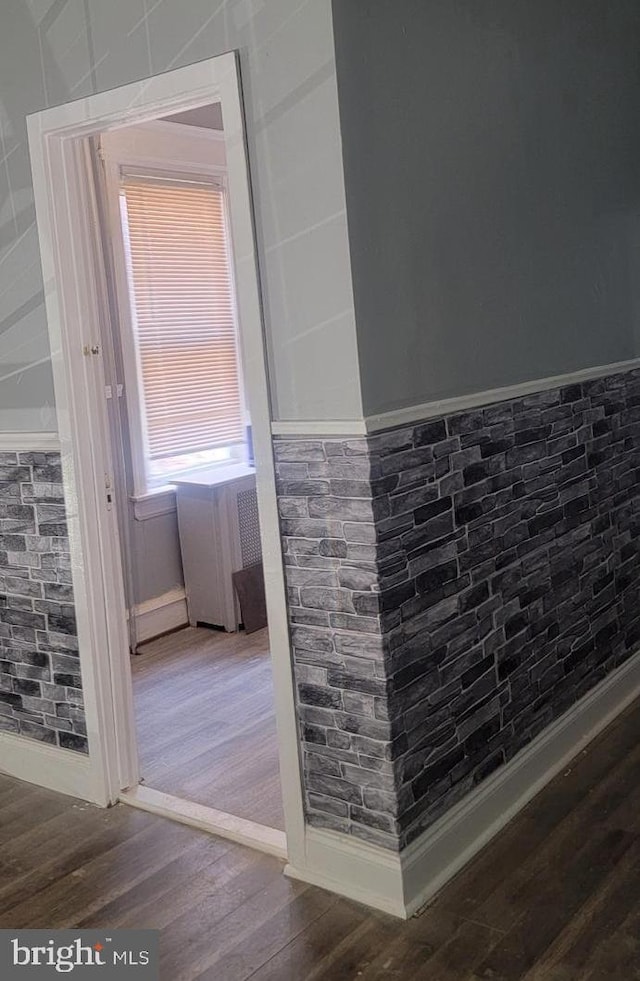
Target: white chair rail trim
[[410, 414], [28, 442]]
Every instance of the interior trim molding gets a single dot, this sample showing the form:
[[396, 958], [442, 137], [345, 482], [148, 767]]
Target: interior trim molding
[[378, 422], [402, 884], [320, 427], [153, 505], [67, 237], [161, 614], [186, 129], [242, 831], [430, 861], [352, 868], [29, 442], [62, 770], [459, 403]]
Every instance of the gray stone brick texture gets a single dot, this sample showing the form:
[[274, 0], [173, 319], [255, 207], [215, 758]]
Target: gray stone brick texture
[[462, 582], [40, 682]]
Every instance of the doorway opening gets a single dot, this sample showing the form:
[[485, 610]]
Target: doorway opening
[[173, 525], [183, 470]]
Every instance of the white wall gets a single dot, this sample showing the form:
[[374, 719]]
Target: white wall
[[53, 51]]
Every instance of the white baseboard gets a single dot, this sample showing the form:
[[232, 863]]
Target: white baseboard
[[398, 884], [352, 868], [401, 884], [161, 614], [430, 861], [48, 766]]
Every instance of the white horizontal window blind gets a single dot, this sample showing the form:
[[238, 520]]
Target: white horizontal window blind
[[183, 315]]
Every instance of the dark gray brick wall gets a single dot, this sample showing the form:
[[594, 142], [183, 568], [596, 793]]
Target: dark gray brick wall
[[40, 686], [497, 574], [328, 520]]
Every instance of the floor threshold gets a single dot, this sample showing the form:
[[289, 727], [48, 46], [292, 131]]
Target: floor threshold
[[242, 831]]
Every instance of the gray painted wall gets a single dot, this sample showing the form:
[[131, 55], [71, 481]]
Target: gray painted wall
[[493, 190], [155, 555], [53, 51]]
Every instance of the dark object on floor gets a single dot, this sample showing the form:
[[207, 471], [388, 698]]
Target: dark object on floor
[[249, 585]]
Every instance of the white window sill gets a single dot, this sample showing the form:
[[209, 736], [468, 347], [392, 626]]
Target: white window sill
[[215, 476], [162, 500]]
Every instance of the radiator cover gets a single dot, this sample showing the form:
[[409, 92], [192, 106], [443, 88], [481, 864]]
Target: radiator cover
[[219, 534]]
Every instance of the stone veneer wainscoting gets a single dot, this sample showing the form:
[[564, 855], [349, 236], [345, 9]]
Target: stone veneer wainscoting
[[331, 563], [455, 586], [40, 686]]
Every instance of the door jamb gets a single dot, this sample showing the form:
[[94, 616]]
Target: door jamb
[[72, 294]]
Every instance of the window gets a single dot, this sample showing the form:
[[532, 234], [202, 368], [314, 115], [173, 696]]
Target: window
[[183, 320]]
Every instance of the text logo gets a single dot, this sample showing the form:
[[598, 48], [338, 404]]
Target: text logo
[[41, 954]]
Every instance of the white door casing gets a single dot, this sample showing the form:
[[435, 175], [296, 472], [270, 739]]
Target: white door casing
[[74, 292]]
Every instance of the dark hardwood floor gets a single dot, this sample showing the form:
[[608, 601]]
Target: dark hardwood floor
[[206, 722], [555, 897]]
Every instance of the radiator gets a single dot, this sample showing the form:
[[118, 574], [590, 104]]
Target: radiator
[[219, 534], [248, 527]]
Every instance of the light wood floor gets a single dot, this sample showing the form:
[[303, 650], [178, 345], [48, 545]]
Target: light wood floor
[[206, 722], [556, 897]]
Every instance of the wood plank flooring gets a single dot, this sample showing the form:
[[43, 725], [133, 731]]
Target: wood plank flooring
[[555, 897], [206, 721]]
